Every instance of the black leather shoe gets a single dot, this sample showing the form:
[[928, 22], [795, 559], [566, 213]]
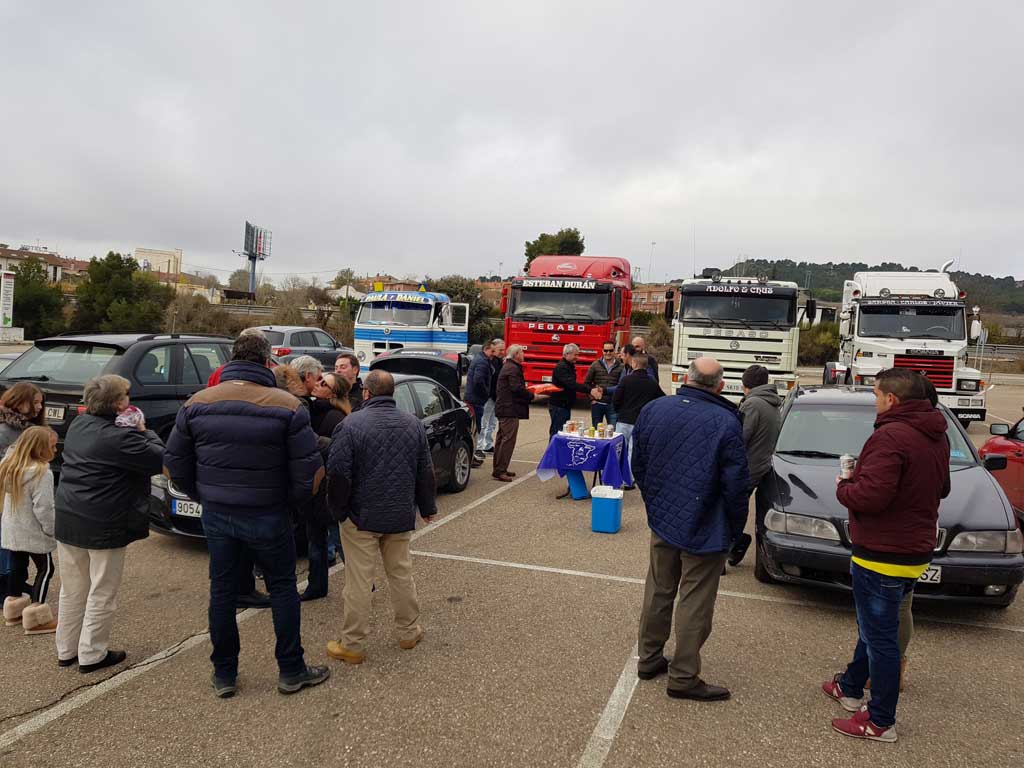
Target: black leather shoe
[[659, 668], [254, 599], [739, 549], [308, 677], [701, 692], [112, 659], [67, 662]]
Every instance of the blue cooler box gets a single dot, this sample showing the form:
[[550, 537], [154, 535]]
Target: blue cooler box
[[605, 509]]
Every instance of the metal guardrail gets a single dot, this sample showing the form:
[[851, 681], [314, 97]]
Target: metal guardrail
[[999, 351]]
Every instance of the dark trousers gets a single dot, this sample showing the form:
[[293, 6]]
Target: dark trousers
[[604, 411], [5, 573], [877, 598], [694, 578], [19, 575], [269, 539], [478, 418], [763, 492], [559, 416], [504, 444], [317, 538]]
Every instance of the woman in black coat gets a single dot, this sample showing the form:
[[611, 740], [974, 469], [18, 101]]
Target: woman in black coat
[[330, 406], [102, 506]]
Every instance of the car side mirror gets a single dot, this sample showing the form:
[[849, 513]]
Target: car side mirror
[[999, 429], [994, 462]]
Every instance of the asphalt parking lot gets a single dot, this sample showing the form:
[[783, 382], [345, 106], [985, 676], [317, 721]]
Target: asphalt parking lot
[[528, 660]]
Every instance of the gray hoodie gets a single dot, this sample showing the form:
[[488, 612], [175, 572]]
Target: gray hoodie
[[761, 424]]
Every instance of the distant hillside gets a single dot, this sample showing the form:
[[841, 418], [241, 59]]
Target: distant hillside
[[993, 294]]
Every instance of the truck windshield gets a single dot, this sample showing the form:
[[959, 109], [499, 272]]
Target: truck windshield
[[920, 322], [544, 304], [394, 313], [753, 310]]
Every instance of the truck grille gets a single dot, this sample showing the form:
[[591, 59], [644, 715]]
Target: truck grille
[[938, 369]]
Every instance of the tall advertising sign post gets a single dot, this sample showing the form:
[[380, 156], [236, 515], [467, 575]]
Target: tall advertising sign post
[[8, 333], [257, 248]]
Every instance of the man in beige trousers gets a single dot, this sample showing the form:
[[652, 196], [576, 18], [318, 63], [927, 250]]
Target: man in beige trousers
[[379, 474]]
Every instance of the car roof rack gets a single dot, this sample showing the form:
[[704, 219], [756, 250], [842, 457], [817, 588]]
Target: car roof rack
[[186, 335]]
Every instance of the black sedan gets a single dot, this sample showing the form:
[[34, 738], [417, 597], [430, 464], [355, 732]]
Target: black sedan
[[978, 545], [448, 421]]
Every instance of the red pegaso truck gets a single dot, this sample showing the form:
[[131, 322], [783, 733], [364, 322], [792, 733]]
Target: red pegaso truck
[[583, 300]]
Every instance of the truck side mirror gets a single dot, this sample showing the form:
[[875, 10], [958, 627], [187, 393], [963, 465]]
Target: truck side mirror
[[670, 306], [811, 311], [976, 329]]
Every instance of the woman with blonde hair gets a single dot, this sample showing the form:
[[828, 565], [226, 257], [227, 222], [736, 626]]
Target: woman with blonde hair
[[21, 406], [26, 485]]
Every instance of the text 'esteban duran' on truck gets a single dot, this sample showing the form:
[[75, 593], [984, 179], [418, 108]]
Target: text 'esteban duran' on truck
[[915, 320], [740, 322], [583, 300]]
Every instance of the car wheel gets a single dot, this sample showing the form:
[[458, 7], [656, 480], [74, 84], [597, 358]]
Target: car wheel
[[760, 572], [461, 465]]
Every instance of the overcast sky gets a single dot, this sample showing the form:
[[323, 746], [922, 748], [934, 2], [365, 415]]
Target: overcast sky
[[437, 137]]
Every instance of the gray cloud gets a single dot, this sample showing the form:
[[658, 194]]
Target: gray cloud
[[438, 137]]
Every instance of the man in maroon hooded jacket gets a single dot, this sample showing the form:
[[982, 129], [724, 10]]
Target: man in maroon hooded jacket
[[893, 500]]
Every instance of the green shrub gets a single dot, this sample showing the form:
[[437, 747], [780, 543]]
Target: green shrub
[[819, 344]]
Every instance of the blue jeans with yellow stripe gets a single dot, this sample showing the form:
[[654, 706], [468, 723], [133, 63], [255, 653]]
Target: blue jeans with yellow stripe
[[877, 598]]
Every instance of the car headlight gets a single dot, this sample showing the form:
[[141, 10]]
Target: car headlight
[[987, 541], [967, 385], [800, 525], [361, 355]]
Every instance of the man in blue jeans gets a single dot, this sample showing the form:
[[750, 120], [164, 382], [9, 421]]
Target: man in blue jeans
[[893, 499], [245, 450]]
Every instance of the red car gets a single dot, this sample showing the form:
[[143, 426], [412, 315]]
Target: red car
[[1008, 441]]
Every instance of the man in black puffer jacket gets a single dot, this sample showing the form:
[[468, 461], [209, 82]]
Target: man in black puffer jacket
[[564, 376], [245, 450], [379, 472]]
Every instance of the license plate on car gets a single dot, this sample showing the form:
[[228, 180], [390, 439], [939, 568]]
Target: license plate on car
[[932, 576], [188, 508], [546, 379], [55, 413]]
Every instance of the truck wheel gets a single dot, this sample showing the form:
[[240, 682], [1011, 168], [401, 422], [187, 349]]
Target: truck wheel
[[849, 377], [828, 376]]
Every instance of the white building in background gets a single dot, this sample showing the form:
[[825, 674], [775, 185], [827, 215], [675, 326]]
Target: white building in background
[[345, 292], [157, 260]]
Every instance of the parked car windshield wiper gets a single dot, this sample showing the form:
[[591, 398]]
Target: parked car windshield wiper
[[40, 377], [810, 454], [736, 320]]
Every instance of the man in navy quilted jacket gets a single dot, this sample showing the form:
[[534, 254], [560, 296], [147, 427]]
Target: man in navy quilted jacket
[[691, 466], [245, 450]]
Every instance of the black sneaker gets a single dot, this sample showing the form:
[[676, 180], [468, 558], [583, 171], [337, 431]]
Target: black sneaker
[[308, 677], [112, 659], [67, 662], [224, 689], [254, 599], [489, 450]]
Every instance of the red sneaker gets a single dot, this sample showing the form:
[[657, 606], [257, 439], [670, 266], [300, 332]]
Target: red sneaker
[[833, 690], [860, 727]]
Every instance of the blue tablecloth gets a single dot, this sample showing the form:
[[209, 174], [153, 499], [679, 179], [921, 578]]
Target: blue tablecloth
[[567, 453]]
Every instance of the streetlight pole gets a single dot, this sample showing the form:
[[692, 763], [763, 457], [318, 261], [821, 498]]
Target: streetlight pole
[[650, 263]]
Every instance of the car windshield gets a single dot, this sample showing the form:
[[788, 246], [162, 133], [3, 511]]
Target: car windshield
[[73, 362], [544, 304], [920, 322], [821, 432], [276, 338], [395, 313], [750, 309]]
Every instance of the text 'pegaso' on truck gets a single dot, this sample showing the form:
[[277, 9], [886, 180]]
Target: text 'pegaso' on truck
[[915, 320]]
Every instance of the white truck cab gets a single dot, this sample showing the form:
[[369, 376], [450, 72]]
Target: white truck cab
[[915, 320]]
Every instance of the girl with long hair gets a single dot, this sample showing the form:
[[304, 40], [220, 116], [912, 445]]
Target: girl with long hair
[[26, 485]]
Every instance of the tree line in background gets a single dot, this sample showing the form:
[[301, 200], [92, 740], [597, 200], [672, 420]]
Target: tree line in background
[[992, 294]]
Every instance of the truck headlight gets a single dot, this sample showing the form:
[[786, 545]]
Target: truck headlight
[[800, 525], [1009, 542], [361, 355], [967, 385], [868, 381]]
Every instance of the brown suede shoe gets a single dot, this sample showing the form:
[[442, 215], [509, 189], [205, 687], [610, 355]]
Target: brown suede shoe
[[338, 651], [408, 645], [503, 477]]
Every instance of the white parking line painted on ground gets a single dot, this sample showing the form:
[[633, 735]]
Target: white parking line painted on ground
[[607, 728], [721, 592], [463, 510]]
